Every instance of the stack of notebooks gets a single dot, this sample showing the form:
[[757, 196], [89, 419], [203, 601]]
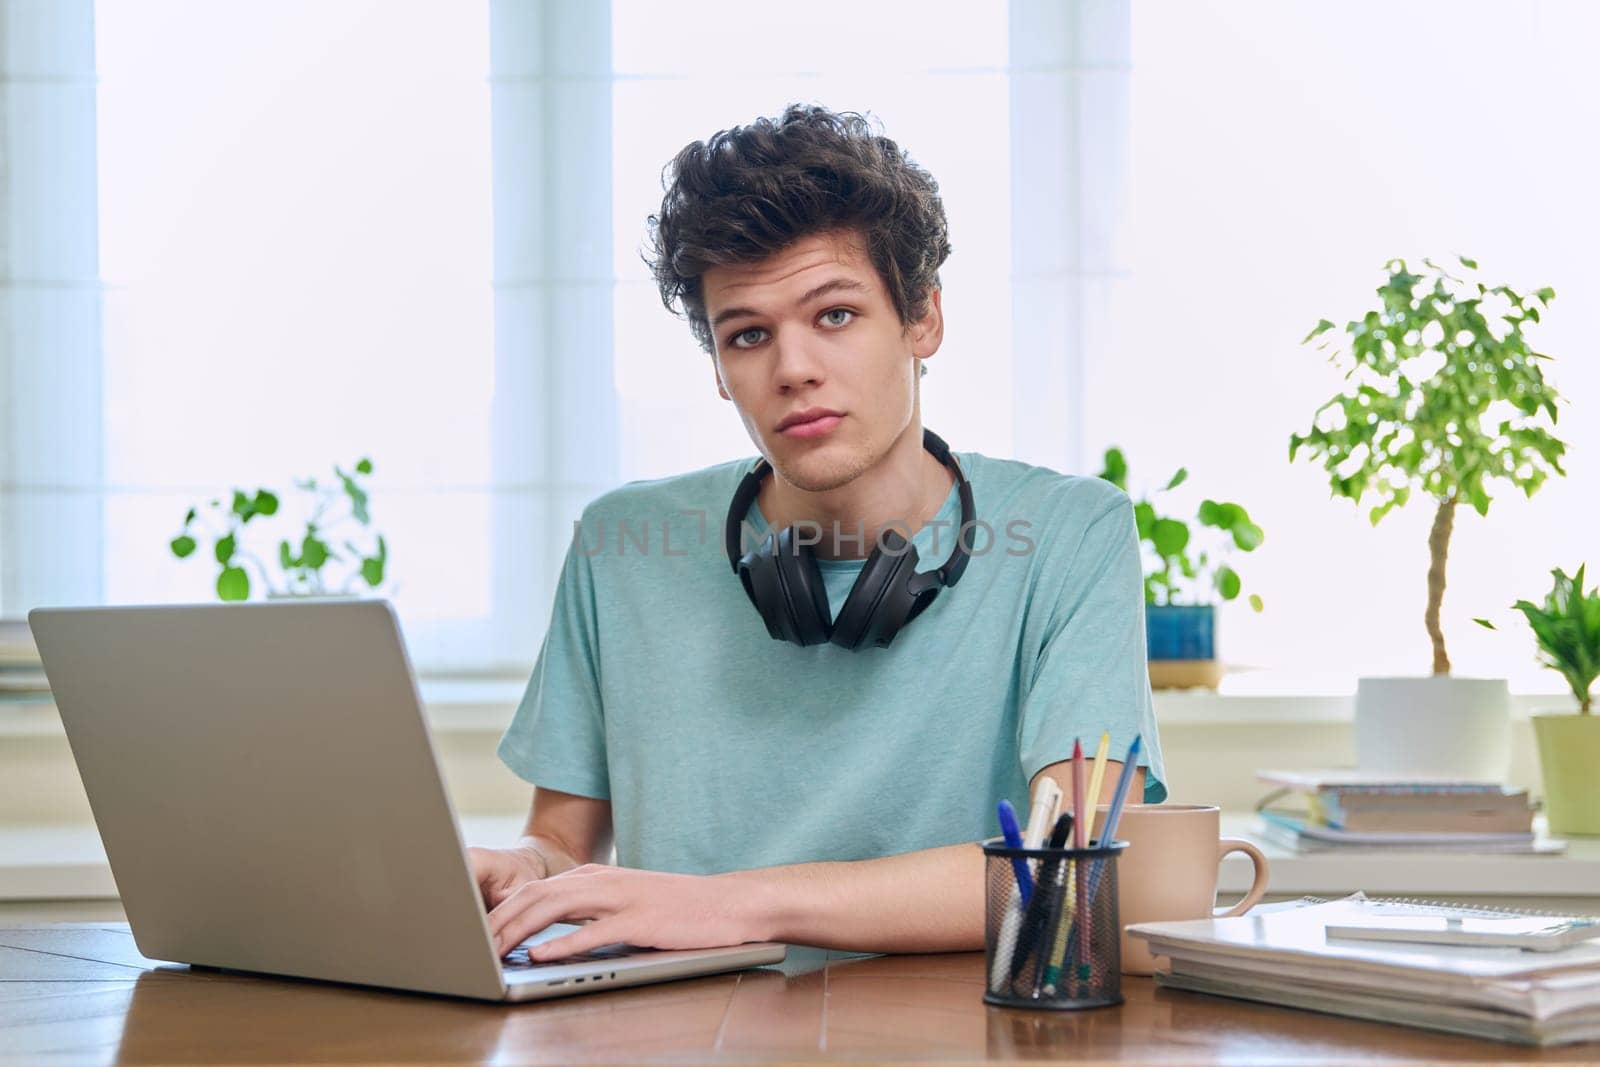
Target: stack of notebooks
[[1323, 956], [21, 673], [1344, 810]]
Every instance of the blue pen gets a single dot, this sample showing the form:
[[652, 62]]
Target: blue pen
[[1120, 797], [1013, 836]]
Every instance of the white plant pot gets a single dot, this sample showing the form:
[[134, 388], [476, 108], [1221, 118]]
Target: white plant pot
[[1438, 726]]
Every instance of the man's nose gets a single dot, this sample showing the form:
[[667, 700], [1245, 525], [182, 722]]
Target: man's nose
[[798, 364]]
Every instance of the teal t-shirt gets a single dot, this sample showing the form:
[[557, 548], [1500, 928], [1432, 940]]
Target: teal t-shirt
[[721, 749]]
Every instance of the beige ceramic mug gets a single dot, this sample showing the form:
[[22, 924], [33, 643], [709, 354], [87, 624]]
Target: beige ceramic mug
[[1169, 870]]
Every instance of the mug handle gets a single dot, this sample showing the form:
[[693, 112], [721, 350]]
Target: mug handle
[[1258, 887]]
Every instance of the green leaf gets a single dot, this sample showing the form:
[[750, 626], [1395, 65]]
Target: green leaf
[[1227, 582], [1322, 326], [285, 555], [313, 552], [1170, 536], [364, 466], [1179, 478], [1485, 623], [1480, 499], [357, 495], [233, 584], [1470, 264], [372, 571], [1116, 469], [266, 503], [183, 546], [1248, 536], [1144, 517], [225, 549], [187, 519], [1256, 603], [241, 505]]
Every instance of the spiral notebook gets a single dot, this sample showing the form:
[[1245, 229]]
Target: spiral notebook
[[1281, 954]]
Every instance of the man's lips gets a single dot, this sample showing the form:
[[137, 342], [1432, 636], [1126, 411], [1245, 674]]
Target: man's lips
[[813, 423]]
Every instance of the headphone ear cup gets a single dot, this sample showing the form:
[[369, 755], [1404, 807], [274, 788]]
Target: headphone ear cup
[[758, 573], [880, 601], [805, 596]]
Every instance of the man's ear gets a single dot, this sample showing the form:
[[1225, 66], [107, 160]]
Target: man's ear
[[716, 372], [927, 333]]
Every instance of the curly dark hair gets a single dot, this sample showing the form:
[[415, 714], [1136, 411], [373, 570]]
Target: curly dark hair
[[746, 193]]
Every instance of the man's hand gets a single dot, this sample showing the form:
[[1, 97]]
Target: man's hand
[[644, 908], [501, 871]]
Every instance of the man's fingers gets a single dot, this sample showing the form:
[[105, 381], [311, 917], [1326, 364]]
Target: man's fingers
[[534, 906], [591, 936]]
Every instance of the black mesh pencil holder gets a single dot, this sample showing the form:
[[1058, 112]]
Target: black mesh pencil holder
[[1058, 945]]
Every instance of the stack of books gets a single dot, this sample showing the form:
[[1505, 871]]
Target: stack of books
[[1303, 955], [1347, 810], [21, 673]]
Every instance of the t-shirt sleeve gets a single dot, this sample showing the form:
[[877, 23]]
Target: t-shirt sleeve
[[1091, 674], [557, 737]]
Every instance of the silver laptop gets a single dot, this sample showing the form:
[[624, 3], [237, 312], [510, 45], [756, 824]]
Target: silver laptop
[[268, 796]]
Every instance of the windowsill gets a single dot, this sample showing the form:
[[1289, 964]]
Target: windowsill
[[451, 705], [485, 705]]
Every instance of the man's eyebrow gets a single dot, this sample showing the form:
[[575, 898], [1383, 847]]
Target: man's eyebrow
[[835, 285]]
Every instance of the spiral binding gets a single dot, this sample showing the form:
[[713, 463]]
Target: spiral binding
[[1446, 908]]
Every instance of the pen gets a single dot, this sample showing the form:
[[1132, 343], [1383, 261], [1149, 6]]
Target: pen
[[1013, 836], [1096, 777], [1124, 780], [1046, 802], [1082, 825], [1031, 935], [1054, 914]]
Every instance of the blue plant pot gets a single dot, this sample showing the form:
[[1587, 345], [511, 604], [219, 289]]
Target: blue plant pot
[[1187, 632]]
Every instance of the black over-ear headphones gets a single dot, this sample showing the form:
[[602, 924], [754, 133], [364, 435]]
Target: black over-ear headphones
[[783, 581]]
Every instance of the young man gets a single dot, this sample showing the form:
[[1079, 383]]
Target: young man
[[813, 794]]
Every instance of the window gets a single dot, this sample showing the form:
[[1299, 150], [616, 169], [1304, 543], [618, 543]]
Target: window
[[1281, 154], [295, 241]]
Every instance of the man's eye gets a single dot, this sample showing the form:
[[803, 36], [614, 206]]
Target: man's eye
[[734, 340], [838, 311]]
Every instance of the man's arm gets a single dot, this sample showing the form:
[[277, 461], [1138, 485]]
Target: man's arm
[[926, 901]]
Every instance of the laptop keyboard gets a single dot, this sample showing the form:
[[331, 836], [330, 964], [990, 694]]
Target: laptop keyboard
[[517, 959]]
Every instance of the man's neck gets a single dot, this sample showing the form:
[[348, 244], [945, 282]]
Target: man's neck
[[903, 491]]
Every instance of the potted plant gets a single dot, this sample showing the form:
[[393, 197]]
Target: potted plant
[[301, 562], [1567, 628], [1445, 396], [1180, 617]]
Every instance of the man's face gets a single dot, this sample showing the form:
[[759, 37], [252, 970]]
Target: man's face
[[810, 350]]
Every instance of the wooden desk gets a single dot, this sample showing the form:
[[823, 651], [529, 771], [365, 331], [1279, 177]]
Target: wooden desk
[[80, 993]]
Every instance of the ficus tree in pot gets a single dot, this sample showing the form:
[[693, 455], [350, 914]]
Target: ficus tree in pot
[[1445, 398]]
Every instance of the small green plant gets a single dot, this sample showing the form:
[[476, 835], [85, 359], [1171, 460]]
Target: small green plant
[[1445, 396], [1171, 573], [1567, 628], [300, 562]]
